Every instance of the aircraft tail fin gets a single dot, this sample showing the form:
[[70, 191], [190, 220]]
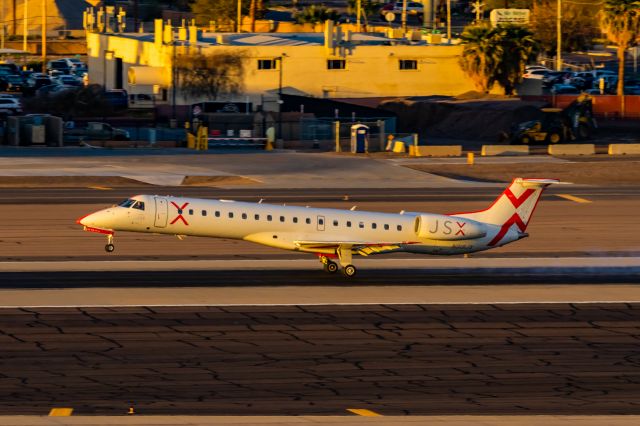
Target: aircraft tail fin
[[515, 205]]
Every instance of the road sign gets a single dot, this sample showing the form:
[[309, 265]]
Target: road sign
[[390, 16], [509, 16]]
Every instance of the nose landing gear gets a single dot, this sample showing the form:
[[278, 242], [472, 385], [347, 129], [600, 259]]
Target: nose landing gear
[[109, 247]]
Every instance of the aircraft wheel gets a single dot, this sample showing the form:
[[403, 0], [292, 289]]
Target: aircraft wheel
[[349, 271], [109, 248], [331, 267]]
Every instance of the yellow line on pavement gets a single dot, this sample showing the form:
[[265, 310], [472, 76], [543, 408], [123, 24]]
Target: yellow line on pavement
[[573, 198], [364, 412], [61, 412], [100, 188]]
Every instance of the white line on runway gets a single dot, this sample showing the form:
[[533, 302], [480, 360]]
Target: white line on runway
[[539, 265]]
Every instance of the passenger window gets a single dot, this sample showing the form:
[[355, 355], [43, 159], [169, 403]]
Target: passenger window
[[399, 227], [386, 227], [361, 225], [320, 221], [217, 214], [281, 218], [204, 212], [269, 217], [335, 223], [348, 224], [230, 215], [191, 211], [374, 226], [257, 217], [244, 215], [295, 220], [308, 221]]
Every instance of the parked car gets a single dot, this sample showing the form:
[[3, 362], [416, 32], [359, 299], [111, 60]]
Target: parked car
[[555, 77], [70, 80], [535, 74], [564, 89], [536, 68], [118, 98], [413, 8], [583, 80], [96, 131], [61, 65], [11, 83], [77, 63], [10, 67], [36, 81], [10, 106]]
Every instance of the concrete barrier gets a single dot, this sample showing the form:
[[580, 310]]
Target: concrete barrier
[[624, 148], [572, 149], [504, 150], [439, 151]]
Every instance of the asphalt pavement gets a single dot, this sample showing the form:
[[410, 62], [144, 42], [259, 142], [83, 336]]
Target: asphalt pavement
[[560, 359]]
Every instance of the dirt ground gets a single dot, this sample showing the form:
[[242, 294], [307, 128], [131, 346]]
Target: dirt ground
[[579, 172]]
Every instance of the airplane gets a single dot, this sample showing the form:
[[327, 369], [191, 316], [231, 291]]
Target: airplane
[[333, 235]]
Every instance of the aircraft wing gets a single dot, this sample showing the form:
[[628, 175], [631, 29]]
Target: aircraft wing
[[363, 248]]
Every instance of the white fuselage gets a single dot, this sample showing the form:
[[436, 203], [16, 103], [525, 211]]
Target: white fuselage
[[301, 228]]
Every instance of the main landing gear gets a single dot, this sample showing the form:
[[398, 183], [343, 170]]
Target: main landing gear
[[109, 247], [348, 270]]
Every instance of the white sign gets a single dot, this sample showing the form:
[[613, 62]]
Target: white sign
[[509, 16]]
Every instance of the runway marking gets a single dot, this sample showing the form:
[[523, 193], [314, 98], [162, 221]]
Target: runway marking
[[573, 198], [364, 412], [100, 188], [60, 412]]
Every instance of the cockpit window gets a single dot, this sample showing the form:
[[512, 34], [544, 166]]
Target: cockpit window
[[127, 203], [138, 205]]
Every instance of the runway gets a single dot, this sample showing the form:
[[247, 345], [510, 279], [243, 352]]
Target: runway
[[203, 327], [322, 360]]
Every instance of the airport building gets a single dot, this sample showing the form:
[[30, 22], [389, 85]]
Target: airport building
[[330, 64]]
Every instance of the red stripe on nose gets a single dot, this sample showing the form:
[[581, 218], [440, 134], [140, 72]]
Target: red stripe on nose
[[79, 220]]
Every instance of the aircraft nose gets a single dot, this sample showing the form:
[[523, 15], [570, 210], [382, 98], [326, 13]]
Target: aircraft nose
[[84, 219]]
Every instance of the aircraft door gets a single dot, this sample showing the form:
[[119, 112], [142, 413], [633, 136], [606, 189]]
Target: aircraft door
[[320, 223], [161, 212]]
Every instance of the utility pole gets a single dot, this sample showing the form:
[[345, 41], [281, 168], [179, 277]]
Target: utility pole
[[404, 16], [449, 21], [44, 36], [2, 27], [358, 12], [239, 18], [25, 25], [559, 29]]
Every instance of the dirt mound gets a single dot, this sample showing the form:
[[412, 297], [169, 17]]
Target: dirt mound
[[482, 119]]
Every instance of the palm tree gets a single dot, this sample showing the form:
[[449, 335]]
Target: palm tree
[[496, 55], [479, 56], [620, 22], [518, 49], [314, 14]]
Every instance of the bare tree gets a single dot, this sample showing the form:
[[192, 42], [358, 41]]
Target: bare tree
[[211, 75]]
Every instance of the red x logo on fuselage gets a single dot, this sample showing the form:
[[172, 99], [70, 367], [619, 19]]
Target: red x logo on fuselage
[[180, 217]]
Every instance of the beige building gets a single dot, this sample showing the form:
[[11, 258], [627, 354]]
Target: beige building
[[332, 64]]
